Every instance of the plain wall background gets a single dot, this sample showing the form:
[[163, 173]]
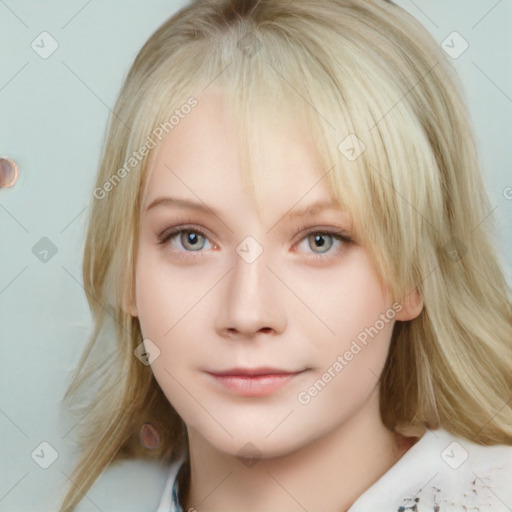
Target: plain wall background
[[53, 114]]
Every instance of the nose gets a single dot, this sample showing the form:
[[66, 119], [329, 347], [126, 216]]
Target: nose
[[252, 301]]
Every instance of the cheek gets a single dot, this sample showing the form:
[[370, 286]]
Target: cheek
[[151, 302], [348, 368], [165, 293], [351, 353], [170, 309], [162, 304], [366, 325], [346, 299]]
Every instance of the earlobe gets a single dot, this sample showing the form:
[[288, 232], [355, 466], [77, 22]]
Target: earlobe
[[130, 307], [133, 310], [412, 306]]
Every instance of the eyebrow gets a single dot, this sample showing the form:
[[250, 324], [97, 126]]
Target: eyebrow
[[310, 209]]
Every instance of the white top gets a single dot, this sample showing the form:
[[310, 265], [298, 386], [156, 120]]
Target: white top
[[440, 473]]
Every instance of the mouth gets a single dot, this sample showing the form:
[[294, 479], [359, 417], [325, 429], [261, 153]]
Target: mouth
[[254, 381]]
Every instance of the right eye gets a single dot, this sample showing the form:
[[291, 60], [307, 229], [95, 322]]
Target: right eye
[[184, 239]]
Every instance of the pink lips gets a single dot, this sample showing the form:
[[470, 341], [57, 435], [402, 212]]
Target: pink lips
[[254, 381]]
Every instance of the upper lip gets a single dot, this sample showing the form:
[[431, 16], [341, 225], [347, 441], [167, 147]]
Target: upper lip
[[264, 370]]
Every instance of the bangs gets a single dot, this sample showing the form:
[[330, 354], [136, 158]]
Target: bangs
[[372, 151], [347, 90]]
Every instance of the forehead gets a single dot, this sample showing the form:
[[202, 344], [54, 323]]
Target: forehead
[[201, 159]]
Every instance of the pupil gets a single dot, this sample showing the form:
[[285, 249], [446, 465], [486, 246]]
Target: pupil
[[322, 243], [319, 239], [190, 239]]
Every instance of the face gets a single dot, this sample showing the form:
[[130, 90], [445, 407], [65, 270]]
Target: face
[[269, 328]]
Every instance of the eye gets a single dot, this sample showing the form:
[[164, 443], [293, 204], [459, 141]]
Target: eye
[[321, 242], [187, 239], [190, 239]]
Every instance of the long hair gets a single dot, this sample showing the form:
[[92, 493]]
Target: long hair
[[384, 109]]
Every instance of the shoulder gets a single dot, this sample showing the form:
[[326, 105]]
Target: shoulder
[[445, 472], [130, 485], [485, 472], [461, 474]]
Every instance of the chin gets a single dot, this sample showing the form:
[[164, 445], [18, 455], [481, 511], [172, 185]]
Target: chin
[[252, 440], [247, 447]]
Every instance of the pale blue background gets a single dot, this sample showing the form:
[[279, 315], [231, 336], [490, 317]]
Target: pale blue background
[[52, 119]]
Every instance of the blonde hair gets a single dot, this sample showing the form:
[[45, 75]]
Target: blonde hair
[[362, 68]]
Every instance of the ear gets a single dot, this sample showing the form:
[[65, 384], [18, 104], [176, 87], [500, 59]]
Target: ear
[[412, 306]]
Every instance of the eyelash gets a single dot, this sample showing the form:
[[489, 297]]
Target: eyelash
[[169, 233]]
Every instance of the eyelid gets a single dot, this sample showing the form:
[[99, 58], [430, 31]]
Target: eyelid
[[176, 229], [305, 229]]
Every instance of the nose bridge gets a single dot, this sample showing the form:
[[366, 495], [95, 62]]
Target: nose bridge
[[252, 299], [250, 268]]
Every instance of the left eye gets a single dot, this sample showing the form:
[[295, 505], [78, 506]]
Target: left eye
[[321, 241]]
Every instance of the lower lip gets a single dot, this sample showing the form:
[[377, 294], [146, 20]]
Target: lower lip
[[257, 385]]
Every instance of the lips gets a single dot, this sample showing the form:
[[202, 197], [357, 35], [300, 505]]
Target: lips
[[254, 372], [254, 382]]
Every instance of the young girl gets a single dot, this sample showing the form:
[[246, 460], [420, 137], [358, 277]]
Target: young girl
[[291, 240]]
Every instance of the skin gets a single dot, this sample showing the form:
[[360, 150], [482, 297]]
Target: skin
[[298, 306]]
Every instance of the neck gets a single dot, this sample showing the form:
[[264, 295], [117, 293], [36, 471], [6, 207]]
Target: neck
[[328, 473]]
